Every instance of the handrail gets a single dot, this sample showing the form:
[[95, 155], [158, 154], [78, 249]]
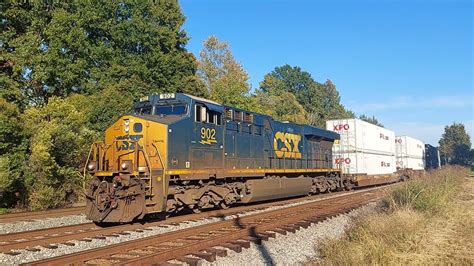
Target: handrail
[[162, 165], [85, 166], [148, 163], [98, 153]]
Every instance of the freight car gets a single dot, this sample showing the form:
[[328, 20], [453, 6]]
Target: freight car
[[432, 158], [180, 152]]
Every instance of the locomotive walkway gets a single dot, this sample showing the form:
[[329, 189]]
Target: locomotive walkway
[[207, 241]]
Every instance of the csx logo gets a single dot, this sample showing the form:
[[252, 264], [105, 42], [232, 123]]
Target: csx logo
[[343, 160], [290, 142], [127, 142], [340, 127]]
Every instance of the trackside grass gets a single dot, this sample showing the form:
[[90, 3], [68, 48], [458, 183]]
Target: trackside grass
[[429, 220]]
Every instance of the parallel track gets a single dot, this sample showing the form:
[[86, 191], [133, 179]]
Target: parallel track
[[27, 216], [203, 242]]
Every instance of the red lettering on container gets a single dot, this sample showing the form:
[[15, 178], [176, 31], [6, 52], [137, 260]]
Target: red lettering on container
[[343, 160], [340, 127]]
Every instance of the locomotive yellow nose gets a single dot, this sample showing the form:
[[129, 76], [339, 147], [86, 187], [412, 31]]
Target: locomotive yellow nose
[[137, 144]]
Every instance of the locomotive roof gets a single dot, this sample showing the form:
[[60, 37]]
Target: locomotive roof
[[201, 99]]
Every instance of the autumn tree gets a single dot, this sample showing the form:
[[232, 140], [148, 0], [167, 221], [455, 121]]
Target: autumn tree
[[455, 144], [224, 78], [370, 119]]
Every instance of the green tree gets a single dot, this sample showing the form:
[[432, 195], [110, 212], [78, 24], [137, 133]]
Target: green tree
[[59, 140], [224, 78], [13, 145], [372, 120], [321, 101], [282, 106], [455, 144], [63, 47]]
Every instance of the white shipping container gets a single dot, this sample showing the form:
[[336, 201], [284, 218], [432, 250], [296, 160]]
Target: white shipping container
[[411, 163], [361, 136], [406, 146], [365, 163]]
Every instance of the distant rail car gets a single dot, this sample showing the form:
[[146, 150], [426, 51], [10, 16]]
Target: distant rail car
[[181, 152]]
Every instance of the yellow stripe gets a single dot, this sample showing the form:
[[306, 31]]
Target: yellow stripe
[[247, 171], [104, 173]]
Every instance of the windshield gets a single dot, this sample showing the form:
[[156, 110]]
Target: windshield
[[145, 110], [170, 110]]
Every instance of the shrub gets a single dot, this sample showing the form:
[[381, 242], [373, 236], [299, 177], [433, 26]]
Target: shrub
[[59, 143], [429, 193]]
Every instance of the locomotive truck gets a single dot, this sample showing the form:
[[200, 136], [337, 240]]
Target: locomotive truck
[[180, 152]]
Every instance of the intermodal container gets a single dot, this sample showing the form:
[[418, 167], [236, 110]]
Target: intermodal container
[[364, 148], [365, 163], [410, 153], [361, 136]]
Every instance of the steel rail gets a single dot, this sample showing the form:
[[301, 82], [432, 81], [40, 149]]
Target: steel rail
[[200, 239], [25, 216]]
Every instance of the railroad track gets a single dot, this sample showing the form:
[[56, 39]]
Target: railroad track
[[13, 243], [206, 241], [16, 243], [27, 216]]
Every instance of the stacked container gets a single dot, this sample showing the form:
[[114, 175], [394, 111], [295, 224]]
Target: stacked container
[[410, 153], [364, 148]]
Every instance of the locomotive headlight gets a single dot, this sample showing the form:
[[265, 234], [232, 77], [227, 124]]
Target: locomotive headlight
[[124, 166], [91, 166], [127, 125]]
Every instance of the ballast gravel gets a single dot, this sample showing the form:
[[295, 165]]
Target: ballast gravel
[[336, 228], [21, 226], [294, 248]]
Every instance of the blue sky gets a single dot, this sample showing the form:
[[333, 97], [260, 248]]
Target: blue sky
[[409, 63]]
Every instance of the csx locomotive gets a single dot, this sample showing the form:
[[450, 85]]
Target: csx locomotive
[[180, 152]]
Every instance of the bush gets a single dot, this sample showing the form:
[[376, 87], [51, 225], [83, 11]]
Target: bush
[[59, 142], [429, 193]]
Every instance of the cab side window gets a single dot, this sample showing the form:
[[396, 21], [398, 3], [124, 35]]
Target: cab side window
[[204, 115], [200, 113]]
